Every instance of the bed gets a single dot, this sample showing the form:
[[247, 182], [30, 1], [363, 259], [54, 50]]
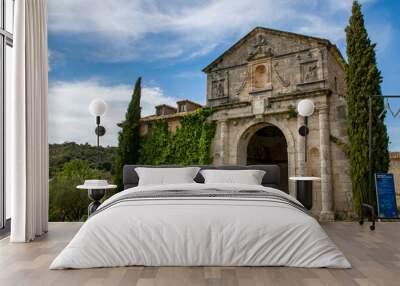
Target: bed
[[201, 224]]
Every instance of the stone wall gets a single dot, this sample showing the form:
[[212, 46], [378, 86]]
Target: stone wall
[[395, 169], [259, 82], [337, 117]]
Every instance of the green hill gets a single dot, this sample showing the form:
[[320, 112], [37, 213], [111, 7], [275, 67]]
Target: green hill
[[59, 154]]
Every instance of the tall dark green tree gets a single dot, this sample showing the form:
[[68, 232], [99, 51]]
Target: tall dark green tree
[[363, 79], [128, 137]]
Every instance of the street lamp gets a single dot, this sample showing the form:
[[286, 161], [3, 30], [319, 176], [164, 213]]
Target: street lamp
[[97, 108], [305, 108]]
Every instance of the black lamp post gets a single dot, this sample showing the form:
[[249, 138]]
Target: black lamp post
[[305, 108], [304, 194], [97, 108]]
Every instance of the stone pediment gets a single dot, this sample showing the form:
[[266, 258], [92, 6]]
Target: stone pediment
[[263, 43]]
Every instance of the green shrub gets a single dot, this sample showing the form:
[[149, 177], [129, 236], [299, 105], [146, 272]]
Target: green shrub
[[66, 203]]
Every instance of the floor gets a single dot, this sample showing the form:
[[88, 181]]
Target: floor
[[375, 257]]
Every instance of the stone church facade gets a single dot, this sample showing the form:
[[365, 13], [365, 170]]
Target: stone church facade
[[254, 88]]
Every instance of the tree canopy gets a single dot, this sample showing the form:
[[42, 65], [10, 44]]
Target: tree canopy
[[129, 136], [60, 154], [66, 203], [363, 79]]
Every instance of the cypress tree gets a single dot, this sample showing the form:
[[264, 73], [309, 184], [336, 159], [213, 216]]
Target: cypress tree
[[129, 137], [363, 79]]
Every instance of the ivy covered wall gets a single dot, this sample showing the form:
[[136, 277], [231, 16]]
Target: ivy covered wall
[[190, 144]]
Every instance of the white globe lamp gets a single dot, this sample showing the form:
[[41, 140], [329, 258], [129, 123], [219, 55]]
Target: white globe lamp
[[97, 107], [305, 107]]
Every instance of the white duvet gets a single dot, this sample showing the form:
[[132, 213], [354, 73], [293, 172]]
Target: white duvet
[[200, 231]]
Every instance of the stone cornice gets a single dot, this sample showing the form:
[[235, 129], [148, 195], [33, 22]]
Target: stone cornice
[[231, 105], [394, 155], [299, 95], [219, 116], [310, 82]]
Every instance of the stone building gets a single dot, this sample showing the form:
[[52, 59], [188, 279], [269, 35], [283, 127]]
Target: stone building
[[170, 114], [255, 86], [395, 170]]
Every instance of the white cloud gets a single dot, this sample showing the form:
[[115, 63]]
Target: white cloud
[[69, 117], [55, 58], [317, 26], [189, 74], [337, 5], [153, 29]]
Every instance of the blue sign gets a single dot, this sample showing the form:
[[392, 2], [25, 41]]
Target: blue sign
[[386, 195]]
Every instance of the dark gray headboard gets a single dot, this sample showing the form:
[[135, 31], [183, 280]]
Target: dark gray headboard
[[271, 178]]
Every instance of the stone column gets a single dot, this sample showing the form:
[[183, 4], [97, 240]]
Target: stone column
[[223, 148], [326, 170], [301, 166]]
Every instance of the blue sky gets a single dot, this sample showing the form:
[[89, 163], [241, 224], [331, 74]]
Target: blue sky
[[99, 48]]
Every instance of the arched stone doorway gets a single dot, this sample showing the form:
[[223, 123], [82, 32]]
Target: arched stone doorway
[[268, 146]]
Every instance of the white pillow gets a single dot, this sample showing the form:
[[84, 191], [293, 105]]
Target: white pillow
[[166, 176], [248, 177]]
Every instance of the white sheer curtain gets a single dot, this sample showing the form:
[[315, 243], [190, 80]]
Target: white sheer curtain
[[28, 148]]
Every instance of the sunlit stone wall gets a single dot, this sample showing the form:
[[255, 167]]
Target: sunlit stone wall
[[395, 169]]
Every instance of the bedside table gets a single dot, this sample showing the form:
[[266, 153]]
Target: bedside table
[[304, 191], [96, 191]]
